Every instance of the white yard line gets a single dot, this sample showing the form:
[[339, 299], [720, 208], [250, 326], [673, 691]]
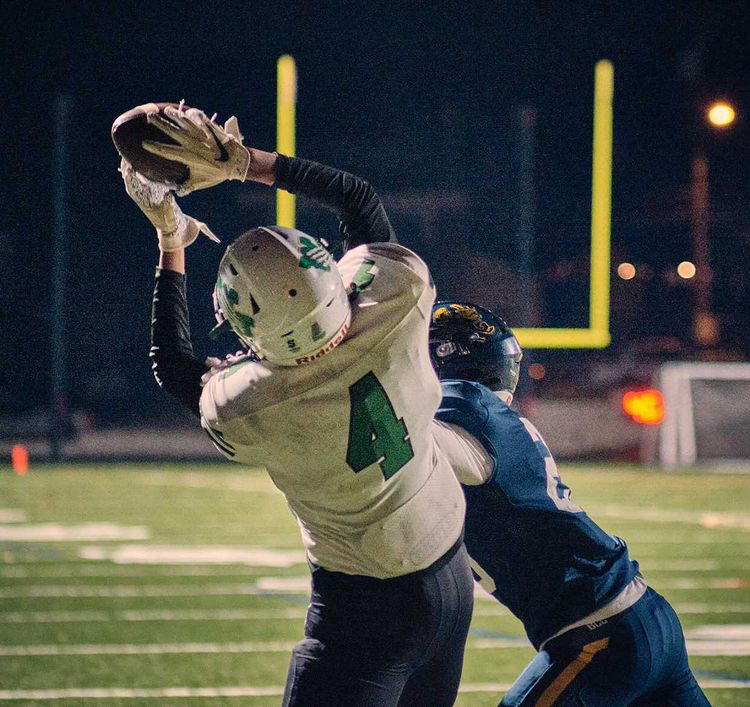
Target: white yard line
[[83, 532], [147, 648], [704, 519], [277, 585], [661, 565], [128, 590], [720, 632], [194, 554], [738, 546], [52, 617], [114, 693], [123, 571], [717, 583], [127, 615], [221, 483], [32, 617], [12, 515], [718, 648], [284, 584], [712, 608]]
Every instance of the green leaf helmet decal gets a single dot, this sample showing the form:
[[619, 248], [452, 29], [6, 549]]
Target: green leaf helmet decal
[[229, 298], [314, 255]]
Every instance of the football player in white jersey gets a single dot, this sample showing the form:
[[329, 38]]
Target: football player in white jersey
[[336, 399]]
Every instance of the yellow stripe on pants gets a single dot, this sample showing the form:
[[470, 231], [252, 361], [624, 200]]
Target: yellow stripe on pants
[[558, 685]]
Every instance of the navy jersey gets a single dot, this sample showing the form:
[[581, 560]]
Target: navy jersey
[[531, 547]]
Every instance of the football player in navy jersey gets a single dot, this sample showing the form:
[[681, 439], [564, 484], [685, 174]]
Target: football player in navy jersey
[[604, 637]]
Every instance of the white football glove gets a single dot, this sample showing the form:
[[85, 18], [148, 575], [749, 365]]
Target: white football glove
[[174, 229], [212, 154]]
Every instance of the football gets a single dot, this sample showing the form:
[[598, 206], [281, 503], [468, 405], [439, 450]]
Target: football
[[128, 133]]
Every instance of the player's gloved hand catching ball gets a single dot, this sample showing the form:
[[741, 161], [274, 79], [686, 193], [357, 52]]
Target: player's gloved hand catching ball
[[174, 229], [212, 153]]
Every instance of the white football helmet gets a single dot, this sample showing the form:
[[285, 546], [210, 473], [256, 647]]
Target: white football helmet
[[282, 294]]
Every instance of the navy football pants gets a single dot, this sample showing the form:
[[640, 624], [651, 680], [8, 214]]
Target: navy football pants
[[637, 657], [382, 642]]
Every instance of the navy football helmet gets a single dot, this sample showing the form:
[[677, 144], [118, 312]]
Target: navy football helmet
[[468, 342]]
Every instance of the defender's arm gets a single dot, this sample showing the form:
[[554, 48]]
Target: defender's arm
[[469, 460]]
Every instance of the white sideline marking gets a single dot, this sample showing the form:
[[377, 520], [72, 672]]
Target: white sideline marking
[[103, 693], [706, 519], [147, 648], [194, 554], [12, 515], [56, 532], [44, 617]]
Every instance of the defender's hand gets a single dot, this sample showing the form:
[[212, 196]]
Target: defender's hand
[[174, 229], [212, 153]]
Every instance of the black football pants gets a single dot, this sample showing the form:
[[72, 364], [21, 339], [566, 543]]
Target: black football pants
[[380, 642]]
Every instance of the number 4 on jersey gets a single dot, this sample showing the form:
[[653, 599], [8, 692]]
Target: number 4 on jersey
[[376, 435]]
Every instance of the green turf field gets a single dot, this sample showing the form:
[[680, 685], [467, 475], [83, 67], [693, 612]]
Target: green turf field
[[159, 585]]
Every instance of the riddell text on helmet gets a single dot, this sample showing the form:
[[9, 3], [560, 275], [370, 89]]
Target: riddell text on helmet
[[326, 349]]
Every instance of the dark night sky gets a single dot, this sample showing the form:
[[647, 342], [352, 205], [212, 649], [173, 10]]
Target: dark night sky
[[410, 95]]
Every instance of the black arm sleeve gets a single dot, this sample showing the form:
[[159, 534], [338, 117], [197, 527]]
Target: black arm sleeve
[[355, 202], [175, 368]]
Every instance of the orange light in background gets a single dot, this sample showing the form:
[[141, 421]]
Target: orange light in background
[[19, 459], [686, 270], [644, 406], [721, 114], [626, 271], [537, 371]]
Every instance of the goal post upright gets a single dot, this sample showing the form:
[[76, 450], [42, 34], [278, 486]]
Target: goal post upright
[[286, 104], [597, 335]]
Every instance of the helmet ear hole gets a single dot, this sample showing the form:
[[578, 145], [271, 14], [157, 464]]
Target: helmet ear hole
[[292, 292], [232, 269]]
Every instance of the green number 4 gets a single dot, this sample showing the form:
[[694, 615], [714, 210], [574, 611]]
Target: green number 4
[[376, 435]]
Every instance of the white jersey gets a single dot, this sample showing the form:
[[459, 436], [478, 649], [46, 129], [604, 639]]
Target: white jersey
[[348, 437]]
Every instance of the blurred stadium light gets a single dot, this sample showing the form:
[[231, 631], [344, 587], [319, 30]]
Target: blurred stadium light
[[721, 114], [644, 406]]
